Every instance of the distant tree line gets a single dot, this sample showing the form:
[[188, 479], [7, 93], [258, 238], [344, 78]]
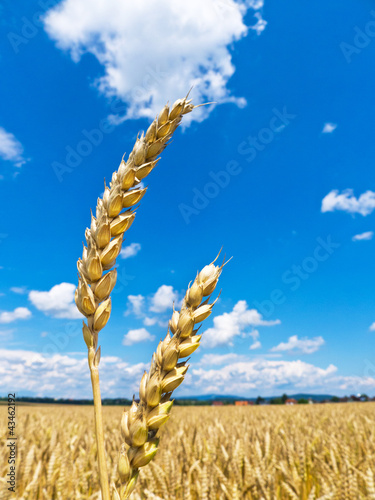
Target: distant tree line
[[282, 400], [64, 401]]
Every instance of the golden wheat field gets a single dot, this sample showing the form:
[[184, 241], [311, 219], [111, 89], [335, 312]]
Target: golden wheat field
[[228, 453]]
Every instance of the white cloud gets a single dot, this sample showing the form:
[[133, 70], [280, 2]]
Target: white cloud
[[11, 149], [347, 202], [155, 50], [221, 359], [138, 335], [261, 24], [20, 290], [67, 375], [243, 376], [329, 128], [163, 299], [18, 313], [130, 251], [304, 345], [159, 303], [372, 327], [57, 302], [150, 321], [270, 376], [255, 345], [229, 325], [136, 305], [368, 235]]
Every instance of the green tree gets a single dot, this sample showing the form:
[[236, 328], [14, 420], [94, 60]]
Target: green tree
[[276, 401]]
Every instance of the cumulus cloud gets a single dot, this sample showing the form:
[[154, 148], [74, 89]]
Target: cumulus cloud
[[154, 50], [137, 335], [347, 202], [221, 359], [130, 251], [304, 345], [230, 325], [57, 302], [261, 374], [150, 321], [66, 375], [328, 128], [163, 299], [269, 377], [136, 305], [11, 149], [151, 309], [18, 313], [261, 24], [63, 375], [368, 235], [372, 327], [255, 345]]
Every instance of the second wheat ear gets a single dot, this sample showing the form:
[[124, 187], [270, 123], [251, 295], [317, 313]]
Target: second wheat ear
[[97, 277], [140, 424]]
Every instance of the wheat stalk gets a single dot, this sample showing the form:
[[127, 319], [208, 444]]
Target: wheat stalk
[[140, 424], [104, 240], [199, 442]]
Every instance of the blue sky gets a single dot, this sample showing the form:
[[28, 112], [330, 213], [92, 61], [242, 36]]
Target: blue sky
[[279, 172]]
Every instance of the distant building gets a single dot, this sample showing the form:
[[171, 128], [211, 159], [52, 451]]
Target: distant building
[[291, 401], [311, 402], [217, 403], [241, 403], [354, 398]]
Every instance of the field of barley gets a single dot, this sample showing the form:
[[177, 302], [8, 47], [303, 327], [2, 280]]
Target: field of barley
[[228, 453]]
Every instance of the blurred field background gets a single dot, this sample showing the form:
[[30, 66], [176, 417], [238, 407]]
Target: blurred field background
[[323, 451]]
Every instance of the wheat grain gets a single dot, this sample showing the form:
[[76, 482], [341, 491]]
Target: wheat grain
[[184, 442], [141, 423], [104, 239]]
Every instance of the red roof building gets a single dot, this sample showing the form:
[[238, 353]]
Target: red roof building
[[291, 401]]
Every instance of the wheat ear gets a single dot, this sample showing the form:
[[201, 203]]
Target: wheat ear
[[140, 424], [104, 240]]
